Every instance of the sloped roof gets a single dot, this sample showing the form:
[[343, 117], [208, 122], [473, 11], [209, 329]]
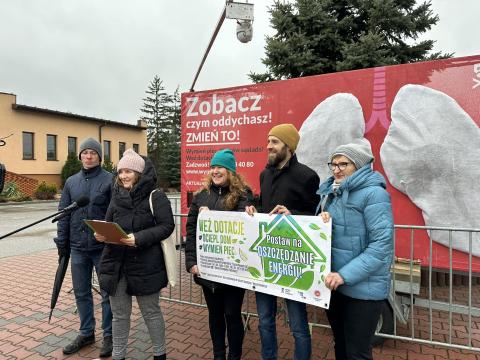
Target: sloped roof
[[21, 107]]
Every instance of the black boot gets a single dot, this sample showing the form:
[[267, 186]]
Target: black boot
[[160, 357], [107, 347], [79, 342], [219, 356]]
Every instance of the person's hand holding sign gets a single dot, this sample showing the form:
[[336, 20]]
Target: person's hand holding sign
[[333, 280], [325, 216], [194, 270], [280, 209]]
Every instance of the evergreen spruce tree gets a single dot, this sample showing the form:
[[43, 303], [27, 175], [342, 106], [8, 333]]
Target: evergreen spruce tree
[[109, 166], [71, 167], [154, 113], [323, 36], [172, 153], [161, 111]]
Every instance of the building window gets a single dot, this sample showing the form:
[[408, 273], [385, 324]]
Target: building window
[[121, 149], [136, 148], [51, 147], [27, 145], [106, 150], [72, 145]]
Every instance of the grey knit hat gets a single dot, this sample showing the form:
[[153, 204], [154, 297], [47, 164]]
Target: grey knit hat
[[359, 152], [92, 144]]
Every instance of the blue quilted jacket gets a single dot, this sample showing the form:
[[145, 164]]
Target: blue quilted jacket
[[362, 233], [71, 229]]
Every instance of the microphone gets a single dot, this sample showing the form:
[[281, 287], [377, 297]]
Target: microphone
[[81, 202]]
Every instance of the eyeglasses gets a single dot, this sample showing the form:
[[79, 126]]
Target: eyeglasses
[[341, 166]]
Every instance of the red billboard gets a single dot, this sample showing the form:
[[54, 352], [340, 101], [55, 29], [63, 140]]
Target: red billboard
[[422, 120]]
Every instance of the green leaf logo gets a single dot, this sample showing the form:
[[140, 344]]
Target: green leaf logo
[[305, 282], [242, 255], [254, 272], [314, 226]]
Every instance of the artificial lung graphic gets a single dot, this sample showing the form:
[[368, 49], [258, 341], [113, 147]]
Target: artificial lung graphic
[[335, 121], [432, 153]]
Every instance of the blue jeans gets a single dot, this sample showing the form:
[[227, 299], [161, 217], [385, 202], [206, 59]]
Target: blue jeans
[[297, 317], [82, 263]]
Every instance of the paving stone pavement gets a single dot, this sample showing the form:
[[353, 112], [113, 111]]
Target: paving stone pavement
[[25, 289]]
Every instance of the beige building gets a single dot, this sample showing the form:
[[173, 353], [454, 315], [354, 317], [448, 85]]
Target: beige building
[[42, 139]]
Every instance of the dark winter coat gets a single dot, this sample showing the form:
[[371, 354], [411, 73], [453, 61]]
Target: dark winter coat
[[293, 186], [142, 265], [212, 199], [96, 184]]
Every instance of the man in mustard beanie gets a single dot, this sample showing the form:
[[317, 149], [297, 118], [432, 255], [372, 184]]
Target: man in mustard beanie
[[286, 133], [286, 187], [282, 143]]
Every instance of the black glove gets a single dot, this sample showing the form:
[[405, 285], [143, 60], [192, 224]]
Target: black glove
[[62, 251]]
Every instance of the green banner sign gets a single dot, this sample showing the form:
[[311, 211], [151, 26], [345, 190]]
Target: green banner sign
[[287, 256]]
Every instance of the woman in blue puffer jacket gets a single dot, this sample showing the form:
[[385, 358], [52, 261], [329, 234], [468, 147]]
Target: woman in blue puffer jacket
[[362, 247]]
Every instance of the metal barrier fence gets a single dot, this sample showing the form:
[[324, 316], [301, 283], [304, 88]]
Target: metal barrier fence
[[438, 315], [423, 313]]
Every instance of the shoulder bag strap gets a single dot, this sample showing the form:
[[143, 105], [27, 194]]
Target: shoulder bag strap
[[151, 204]]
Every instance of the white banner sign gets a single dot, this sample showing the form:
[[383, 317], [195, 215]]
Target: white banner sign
[[286, 256]]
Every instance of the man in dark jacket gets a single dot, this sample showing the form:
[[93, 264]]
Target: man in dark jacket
[[73, 235], [286, 187]]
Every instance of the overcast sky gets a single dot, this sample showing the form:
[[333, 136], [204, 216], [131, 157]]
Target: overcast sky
[[97, 57]]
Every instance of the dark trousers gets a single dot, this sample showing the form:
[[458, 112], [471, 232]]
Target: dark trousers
[[353, 323], [225, 315]]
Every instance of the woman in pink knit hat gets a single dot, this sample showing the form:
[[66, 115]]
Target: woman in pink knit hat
[[137, 266]]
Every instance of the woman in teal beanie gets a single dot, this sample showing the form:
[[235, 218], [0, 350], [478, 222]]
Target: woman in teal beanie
[[224, 158], [223, 190]]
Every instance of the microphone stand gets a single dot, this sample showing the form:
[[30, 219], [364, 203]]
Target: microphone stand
[[61, 212], [34, 223]]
